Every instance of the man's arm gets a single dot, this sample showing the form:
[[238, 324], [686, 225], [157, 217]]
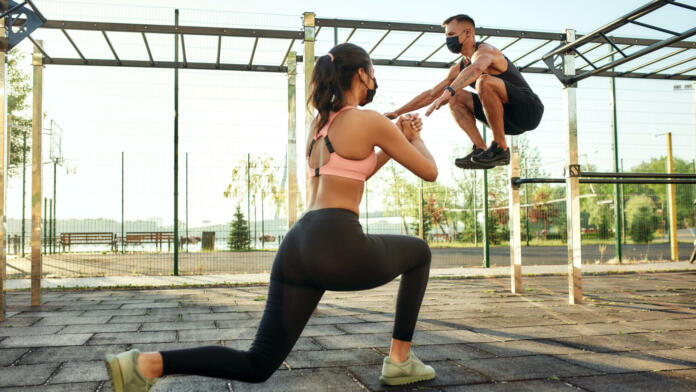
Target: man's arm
[[480, 62], [426, 97]]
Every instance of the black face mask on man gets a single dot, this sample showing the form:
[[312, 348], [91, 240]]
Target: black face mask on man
[[370, 93], [454, 45]]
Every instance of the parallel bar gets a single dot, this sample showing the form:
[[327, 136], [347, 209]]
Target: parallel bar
[[683, 72], [217, 61], [378, 42], [636, 175], [674, 65], [637, 54], [149, 52], [532, 51], [649, 26], [433, 52], [655, 60], [106, 37], [74, 46], [36, 176], [407, 47], [171, 29], [253, 52], [608, 27], [521, 181], [350, 35], [514, 41], [287, 53]]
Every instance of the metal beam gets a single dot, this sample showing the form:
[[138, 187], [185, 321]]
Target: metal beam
[[635, 55], [674, 65], [386, 33], [171, 29], [649, 26], [514, 41], [613, 52], [253, 52], [106, 37], [655, 60], [74, 46], [149, 52], [36, 45], [408, 46], [350, 35], [287, 52], [166, 64], [219, 46], [433, 52], [183, 49]]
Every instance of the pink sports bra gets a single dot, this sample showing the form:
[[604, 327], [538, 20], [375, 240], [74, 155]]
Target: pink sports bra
[[338, 165]]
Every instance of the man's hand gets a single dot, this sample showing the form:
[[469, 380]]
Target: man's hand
[[444, 98], [410, 125], [391, 115]]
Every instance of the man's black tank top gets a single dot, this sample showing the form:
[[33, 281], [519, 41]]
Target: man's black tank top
[[511, 74]]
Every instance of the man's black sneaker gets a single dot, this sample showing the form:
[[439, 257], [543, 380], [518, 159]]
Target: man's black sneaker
[[494, 155], [467, 163]]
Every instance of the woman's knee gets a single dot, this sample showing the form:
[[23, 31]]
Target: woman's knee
[[424, 248], [261, 369]]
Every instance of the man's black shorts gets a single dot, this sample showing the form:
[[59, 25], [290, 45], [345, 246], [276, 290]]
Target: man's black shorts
[[522, 113]]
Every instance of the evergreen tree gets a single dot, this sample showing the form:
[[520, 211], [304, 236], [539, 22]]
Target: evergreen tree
[[239, 232]]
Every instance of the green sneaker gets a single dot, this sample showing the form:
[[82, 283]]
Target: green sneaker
[[407, 372], [124, 374]]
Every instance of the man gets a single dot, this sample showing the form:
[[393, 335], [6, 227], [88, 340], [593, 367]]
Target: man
[[503, 99]]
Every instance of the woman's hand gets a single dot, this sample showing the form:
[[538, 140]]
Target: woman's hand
[[410, 125]]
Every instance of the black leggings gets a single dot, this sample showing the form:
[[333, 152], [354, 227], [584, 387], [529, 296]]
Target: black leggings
[[325, 250]]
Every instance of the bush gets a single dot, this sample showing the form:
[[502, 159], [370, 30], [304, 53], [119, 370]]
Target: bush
[[643, 224]]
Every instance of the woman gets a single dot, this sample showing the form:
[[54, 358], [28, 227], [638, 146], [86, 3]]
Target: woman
[[326, 249]]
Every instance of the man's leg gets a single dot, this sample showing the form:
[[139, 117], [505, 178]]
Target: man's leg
[[493, 95], [462, 108]]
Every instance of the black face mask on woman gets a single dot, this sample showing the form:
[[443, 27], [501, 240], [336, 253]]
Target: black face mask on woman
[[370, 93], [454, 45]]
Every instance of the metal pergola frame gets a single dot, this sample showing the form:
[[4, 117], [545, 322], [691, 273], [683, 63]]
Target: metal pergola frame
[[567, 50]]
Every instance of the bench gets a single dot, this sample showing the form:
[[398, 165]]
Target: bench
[[150, 237], [69, 239]]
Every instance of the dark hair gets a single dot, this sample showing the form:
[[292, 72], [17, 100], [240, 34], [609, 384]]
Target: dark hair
[[331, 77], [459, 18]]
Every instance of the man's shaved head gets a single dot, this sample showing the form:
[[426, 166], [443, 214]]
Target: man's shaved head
[[460, 18]]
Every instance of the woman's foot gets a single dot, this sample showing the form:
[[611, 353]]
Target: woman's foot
[[409, 371], [124, 374]]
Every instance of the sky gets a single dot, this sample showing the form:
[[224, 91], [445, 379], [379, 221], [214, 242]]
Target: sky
[[225, 115]]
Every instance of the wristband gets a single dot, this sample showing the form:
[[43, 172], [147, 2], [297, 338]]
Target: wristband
[[450, 89]]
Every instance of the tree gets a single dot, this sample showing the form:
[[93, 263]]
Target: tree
[[19, 121], [643, 225], [239, 232], [428, 206]]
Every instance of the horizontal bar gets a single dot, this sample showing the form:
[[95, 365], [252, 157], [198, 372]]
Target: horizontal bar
[[149, 52], [171, 29], [613, 52], [609, 27], [106, 37], [532, 51], [350, 35], [668, 55], [386, 33], [287, 52], [678, 63], [253, 52], [73, 44], [683, 72], [636, 175], [514, 41], [36, 44], [407, 47], [219, 47], [165, 64], [678, 4], [649, 26], [642, 52], [433, 52], [521, 181], [183, 49], [613, 45]]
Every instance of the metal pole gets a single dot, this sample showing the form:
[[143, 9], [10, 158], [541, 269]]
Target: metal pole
[[309, 32], [335, 36], [515, 231], [187, 222], [572, 180], [420, 210], [367, 215], [123, 222], [176, 147], [49, 249], [36, 176], [623, 210], [475, 217], [54, 228], [671, 192], [24, 186], [486, 244], [617, 188], [249, 197], [3, 160], [292, 139], [45, 214], [526, 201]]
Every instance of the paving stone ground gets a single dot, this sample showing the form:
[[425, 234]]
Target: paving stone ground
[[635, 332]]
